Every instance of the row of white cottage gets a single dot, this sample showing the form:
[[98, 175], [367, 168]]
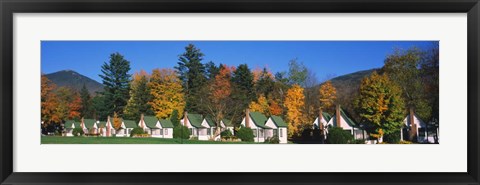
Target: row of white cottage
[[416, 130], [162, 128], [263, 128]]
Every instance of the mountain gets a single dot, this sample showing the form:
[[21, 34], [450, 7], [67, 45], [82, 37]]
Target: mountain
[[347, 88], [75, 81]]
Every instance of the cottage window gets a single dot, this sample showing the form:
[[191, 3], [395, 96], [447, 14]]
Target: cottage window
[[261, 132], [209, 131], [254, 132], [281, 133], [275, 132]]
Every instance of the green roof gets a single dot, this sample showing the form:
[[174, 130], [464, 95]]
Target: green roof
[[227, 122], [259, 119], [278, 121], [130, 124], [195, 120], [89, 122], [166, 123], [326, 116], [150, 121], [68, 124], [345, 117], [210, 122]]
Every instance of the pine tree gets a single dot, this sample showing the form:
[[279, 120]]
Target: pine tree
[[192, 75], [243, 87], [380, 105], [86, 111], [139, 97], [116, 81], [175, 118], [264, 84]]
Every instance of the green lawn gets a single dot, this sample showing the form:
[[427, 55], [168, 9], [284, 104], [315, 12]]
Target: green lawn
[[125, 140]]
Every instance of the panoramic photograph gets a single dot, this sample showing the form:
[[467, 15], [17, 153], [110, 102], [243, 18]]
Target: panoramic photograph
[[239, 92]]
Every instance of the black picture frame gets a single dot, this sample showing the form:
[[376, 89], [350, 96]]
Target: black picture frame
[[9, 7]]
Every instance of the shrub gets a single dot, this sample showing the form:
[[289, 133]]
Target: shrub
[[181, 132], [338, 136], [405, 142], [137, 131], [78, 132], [272, 140], [392, 137], [245, 134], [226, 133]]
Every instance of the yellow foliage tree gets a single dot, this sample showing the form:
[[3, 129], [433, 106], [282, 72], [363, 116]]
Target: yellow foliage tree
[[327, 96], [261, 105], [294, 102], [167, 93]]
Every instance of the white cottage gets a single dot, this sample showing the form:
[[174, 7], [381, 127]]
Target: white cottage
[[162, 128], [340, 119], [279, 128], [417, 131], [194, 123], [264, 127]]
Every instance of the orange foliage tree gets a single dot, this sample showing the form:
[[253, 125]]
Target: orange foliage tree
[[117, 122], [220, 90], [294, 102], [48, 101]]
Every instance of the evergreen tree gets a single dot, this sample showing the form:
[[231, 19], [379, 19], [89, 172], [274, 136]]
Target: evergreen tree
[[192, 75], [265, 83], [243, 86], [86, 111], [139, 97], [116, 81], [211, 70], [174, 118]]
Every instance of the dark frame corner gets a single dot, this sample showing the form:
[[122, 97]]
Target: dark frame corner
[[9, 7]]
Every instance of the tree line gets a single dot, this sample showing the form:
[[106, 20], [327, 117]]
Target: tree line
[[408, 79]]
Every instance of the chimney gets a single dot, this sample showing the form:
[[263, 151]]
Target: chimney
[[109, 128], [413, 126], [247, 118], [142, 122], [185, 118], [320, 117], [338, 116], [82, 124]]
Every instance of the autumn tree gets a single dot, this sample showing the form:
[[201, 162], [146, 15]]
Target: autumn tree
[[327, 96], [139, 96], [167, 93], [191, 73], [294, 103], [274, 107], [116, 80], [403, 68], [261, 105], [380, 105], [117, 121], [48, 101], [220, 90], [69, 104]]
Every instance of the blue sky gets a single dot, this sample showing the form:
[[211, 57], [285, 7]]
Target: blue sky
[[325, 58]]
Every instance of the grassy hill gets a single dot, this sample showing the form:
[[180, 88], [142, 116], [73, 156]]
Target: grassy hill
[[74, 80]]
